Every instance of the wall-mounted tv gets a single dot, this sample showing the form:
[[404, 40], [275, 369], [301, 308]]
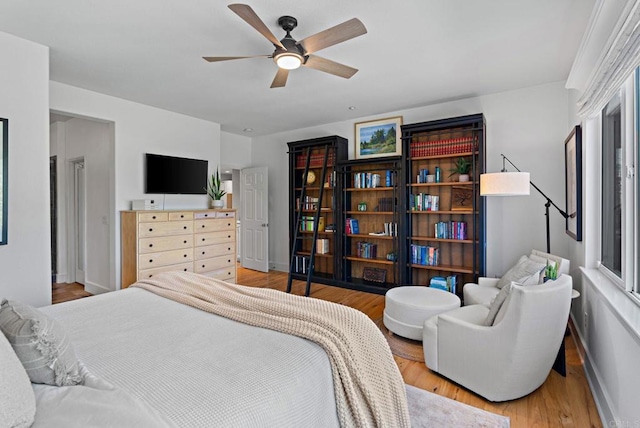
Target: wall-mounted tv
[[168, 174]]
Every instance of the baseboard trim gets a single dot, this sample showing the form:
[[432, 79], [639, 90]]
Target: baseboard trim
[[60, 278], [93, 288], [600, 396], [280, 267]]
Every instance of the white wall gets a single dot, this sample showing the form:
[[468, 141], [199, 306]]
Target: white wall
[[25, 262], [139, 129], [235, 151], [92, 141], [527, 125]]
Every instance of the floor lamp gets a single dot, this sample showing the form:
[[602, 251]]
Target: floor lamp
[[506, 183]]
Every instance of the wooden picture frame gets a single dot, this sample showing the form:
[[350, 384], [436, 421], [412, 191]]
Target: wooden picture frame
[[374, 275], [573, 183], [461, 198], [378, 138]]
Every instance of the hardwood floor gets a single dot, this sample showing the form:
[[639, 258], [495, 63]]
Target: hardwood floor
[[559, 402]]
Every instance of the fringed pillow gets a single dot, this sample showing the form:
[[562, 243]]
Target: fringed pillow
[[40, 343]]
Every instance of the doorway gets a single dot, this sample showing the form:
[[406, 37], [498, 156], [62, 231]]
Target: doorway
[[78, 220]]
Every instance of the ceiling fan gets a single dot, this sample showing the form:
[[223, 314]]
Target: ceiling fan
[[290, 54]]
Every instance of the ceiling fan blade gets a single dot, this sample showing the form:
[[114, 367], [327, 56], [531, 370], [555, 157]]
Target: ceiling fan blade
[[229, 58], [245, 12], [281, 78], [334, 35], [331, 67]]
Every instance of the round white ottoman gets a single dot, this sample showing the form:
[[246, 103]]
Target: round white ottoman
[[407, 308]]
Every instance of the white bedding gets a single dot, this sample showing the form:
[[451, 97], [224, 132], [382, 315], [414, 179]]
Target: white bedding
[[198, 369]]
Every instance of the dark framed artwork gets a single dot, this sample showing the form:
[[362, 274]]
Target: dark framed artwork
[[573, 182], [4, 177]]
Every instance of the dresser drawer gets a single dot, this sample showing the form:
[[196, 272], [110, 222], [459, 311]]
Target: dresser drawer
[[213, 225], [203, 239], [148, 230], [149, 273], [164, 258], [179, 216], [215, 263], [149, 217], [228, 274], [204, 214], [214, 250], [164, 243], [225, 214]]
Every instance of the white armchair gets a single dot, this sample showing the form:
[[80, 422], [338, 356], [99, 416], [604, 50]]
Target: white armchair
[[511, 358], [485, 290]]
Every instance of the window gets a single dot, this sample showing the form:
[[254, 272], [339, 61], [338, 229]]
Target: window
[[619, 248]]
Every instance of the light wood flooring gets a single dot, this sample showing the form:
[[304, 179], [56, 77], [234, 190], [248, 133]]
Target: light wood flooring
[[559, 402]]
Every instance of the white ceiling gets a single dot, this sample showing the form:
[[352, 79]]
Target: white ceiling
[[416, 52]]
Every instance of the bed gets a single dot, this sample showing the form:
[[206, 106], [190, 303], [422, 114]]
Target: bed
[[157, 362]]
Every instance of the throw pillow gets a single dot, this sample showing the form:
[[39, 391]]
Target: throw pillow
[[40, 343], [524, 268], [17, 401], [496, 304]]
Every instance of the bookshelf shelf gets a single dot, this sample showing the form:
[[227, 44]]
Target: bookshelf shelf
[[444, 268], [367, 236], [376, 260], [452, 241], [368, 189], [443, 212], [448, 183], [369, 212]]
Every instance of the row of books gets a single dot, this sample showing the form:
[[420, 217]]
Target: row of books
[[307, 224], [386, 204], [451, 230], [443, 147], [368, 180], [309, 203], [315, 160], [301, 264], [450, 283], [366, 250], [421, 177], [425, 255], [351, 226], [424, 202]]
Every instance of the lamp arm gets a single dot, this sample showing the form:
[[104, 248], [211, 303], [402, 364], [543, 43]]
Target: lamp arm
[[549, 201]]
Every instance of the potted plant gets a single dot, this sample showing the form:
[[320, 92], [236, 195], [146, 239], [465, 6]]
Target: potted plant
[[461, 167], [215, 191]]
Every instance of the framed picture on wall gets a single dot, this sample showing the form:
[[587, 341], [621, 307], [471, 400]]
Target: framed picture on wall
[[573, 183], [378, 138]]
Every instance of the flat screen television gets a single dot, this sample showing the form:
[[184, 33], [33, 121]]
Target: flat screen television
[[168, 174]]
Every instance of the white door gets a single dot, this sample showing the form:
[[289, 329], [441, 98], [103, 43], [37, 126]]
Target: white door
[[79, 220], [254, 224]]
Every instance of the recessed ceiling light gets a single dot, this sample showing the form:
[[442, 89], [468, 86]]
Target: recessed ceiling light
[[248, 129], [352, 107], [227, 172]]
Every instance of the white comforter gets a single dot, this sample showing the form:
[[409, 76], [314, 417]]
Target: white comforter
[[198, 369]]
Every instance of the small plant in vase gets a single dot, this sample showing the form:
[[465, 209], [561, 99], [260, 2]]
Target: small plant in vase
[[214, 190], [461, 167]]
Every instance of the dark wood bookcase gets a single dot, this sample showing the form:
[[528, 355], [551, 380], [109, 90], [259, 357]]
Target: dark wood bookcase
[[372, 200], [454, 230], [327, 266]]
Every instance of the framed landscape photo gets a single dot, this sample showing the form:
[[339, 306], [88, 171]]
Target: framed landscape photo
[[573, 183], [378, 138]]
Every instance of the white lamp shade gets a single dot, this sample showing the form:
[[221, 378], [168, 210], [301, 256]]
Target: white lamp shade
[[504, 184]]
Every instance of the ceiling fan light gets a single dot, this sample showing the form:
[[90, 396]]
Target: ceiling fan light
[[288, 61]]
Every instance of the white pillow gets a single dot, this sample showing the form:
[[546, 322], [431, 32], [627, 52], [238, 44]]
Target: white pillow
[[17, 400], [524, 268], [496, 304], [40, 343]]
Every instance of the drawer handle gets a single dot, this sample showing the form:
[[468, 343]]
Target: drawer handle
[[203, 253], [202, 265], [203, 226], [154, 217], [150, 260], [150, 245], [185, 269], [202, 239], [228, 261], [184, 241], [228, 236], [185, 255], [150, 276], [184, 227], [229, 249], [150, 230], [181, 215]]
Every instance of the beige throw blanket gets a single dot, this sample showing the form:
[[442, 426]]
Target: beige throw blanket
[[368, 386]]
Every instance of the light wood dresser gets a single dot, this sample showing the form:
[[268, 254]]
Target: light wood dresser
[[201, 241]]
